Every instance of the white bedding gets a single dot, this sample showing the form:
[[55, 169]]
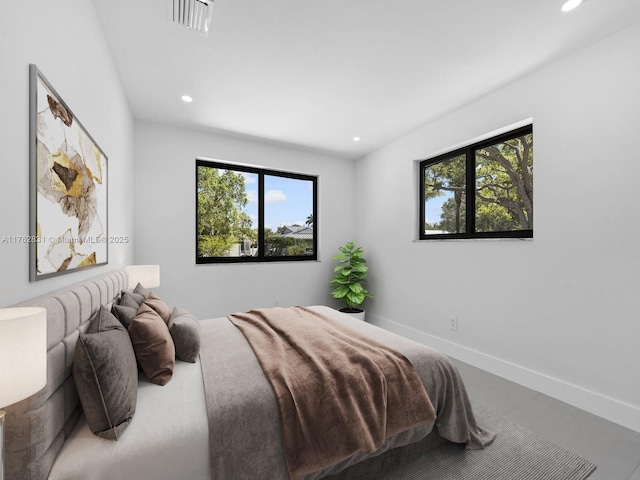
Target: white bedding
[[168, 438]]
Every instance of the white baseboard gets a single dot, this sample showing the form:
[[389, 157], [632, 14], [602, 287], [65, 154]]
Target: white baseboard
[[592, 402]]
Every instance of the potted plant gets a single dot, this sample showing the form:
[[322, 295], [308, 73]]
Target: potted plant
[[348, 278]]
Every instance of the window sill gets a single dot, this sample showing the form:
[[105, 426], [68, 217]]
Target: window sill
[[479, 239]]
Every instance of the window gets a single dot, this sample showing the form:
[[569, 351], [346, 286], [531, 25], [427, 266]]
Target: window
[[484, 190], [250, 214]]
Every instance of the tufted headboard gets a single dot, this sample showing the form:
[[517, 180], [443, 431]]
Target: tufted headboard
[[36, 428]]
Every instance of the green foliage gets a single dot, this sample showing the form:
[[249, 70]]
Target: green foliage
[[276, 243], [221, 219], [295, 250], [349, 275], [278, 246], [213, 246], [448, 176], [504, 184]]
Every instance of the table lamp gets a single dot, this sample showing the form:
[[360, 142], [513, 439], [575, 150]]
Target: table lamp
[[146, 275], [23, 359]]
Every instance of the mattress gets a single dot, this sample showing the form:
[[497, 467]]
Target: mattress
[[168, 438]]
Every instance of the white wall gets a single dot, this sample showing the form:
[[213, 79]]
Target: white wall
[[165, 222], [558, 313], [64, 39]]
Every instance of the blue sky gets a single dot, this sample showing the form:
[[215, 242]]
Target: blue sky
[[433, 207], [288, 201]]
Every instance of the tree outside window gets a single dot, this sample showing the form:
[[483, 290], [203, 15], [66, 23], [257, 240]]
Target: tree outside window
[[483, 190]]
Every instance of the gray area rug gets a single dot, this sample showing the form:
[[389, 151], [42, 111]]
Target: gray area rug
[[515, 454]]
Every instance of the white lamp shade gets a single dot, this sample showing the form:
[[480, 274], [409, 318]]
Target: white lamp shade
[[23, 353], [146, 275]]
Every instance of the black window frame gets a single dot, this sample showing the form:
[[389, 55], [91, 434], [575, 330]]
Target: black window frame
[[470, 190], [261, 172]]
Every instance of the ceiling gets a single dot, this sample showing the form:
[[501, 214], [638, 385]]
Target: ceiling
[[317, 73]]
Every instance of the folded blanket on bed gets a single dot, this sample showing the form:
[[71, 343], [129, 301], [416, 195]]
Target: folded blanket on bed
[[339, 391]]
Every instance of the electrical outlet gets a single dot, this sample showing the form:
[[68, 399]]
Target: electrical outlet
[[453, 322]]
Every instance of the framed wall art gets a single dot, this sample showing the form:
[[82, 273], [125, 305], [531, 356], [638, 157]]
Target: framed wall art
[[68, 197]]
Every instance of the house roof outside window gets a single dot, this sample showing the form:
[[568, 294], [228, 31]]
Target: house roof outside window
[[297, 232]]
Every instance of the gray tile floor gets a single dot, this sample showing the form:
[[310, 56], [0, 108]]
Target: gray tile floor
[[615, 449]]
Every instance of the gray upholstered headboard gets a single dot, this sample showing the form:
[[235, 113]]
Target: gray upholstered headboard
[[36, 428]]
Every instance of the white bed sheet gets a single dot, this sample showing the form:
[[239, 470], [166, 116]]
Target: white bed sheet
[[168, 438]]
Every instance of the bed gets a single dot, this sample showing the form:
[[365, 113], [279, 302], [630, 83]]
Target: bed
[[224, 428]]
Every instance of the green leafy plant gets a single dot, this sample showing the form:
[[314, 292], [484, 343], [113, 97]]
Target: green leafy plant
[[349, 275]]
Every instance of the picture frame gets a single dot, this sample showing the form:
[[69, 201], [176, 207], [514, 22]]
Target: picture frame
[[68, 187]]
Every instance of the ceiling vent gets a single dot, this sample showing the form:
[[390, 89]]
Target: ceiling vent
[[192, 14]]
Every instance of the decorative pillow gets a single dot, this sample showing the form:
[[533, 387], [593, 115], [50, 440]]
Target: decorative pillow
[[124, 314], [153, 345], [132, 300], [185, 331], [102, 321], [106, 376], [140, 290], [157, 304]]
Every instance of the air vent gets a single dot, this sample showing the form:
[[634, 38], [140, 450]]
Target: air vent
[[192, 14]]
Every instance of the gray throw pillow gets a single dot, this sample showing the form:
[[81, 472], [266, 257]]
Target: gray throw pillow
[[185, 331], [102, 321], [140, 290], [130, 299], [106, 376], [124, 314]]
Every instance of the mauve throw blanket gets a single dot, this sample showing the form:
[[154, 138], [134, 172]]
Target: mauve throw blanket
[[339, 391]]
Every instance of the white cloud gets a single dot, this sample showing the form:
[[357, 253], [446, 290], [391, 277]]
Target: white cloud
[[249, 178], [275, 196], [252, 196]]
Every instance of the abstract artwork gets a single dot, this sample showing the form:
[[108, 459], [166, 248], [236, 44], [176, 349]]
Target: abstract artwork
[[68, 187]]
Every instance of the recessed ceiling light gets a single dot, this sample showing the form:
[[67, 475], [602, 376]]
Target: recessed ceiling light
[[356, 139], [570, 5], [187, 99]]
